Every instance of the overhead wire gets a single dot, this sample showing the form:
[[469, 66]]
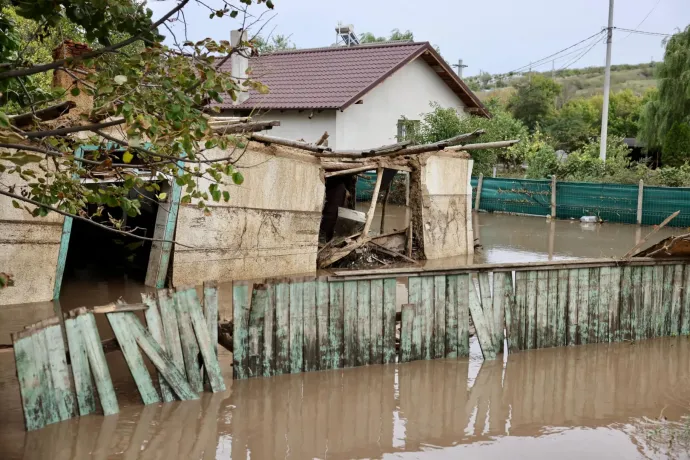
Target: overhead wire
[[584, 53], [642, 32]]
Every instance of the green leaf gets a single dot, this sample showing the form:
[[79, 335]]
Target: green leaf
[[4, 120], [75, 91], [186, 199], [127, 157], [162, 196], [107, 89], [120, 80], [16, 204], [233, 14], [226, 196], [237, 178]]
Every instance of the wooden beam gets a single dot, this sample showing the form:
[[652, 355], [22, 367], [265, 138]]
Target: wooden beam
[[385, 204], [49, 113], [644, 240], [114, 307], [372, 206], [319, 149], [238, 128], [347, 172], [323, 138], [485, 145]]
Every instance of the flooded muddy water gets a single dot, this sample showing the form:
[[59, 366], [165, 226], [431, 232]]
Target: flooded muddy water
[[597, 401], [592, 401]]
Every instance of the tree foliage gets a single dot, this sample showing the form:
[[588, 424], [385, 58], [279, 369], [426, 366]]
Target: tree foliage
[[534, 100], [671, 104], [273, 44], [676, 148], [151, 96], [395, 35]]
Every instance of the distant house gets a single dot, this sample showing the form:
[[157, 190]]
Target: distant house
[[359, 94]]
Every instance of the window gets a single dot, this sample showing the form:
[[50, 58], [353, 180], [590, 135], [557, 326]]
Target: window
[[407, 129]]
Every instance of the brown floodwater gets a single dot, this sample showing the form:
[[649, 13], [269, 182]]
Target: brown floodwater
[[596, 400]]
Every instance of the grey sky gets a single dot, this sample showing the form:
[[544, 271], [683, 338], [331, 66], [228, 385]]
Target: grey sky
[[490, 35]]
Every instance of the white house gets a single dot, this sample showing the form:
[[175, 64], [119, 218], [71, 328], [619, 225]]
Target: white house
[[358, 94]]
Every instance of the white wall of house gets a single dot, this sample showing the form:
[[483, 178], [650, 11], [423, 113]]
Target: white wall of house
[[295, 124], [407, 93]]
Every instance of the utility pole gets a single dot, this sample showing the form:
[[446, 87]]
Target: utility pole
[[607, 86]]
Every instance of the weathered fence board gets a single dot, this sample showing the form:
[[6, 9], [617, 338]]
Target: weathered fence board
[[389, 292], [155, 325]]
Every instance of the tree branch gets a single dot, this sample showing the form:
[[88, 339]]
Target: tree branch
[[49, 113], [60, 62], [74, 129], [84, 219]]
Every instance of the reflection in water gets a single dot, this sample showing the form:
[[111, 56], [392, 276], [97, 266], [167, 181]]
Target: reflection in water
[[571, 401]]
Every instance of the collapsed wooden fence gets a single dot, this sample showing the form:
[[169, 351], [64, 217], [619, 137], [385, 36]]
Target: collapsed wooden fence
[[347, 320]]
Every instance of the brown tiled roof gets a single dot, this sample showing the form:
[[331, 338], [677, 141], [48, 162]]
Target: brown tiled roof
[[336, 77]]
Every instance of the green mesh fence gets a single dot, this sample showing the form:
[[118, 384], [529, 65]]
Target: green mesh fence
[[610, 202]]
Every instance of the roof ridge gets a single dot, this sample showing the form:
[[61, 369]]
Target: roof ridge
[[346, 48]]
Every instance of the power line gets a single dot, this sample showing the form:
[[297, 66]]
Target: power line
[[648, 14], [642, 32], [548, 58], [579, 57]]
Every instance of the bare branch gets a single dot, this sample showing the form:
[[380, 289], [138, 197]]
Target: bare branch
[[74, 129]]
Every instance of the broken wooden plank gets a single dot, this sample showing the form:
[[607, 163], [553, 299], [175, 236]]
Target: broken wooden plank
[[190, 347], [685, 304], [119, 307], [516, 334], [30, 385], [636, 307], [502, 297], [211, 311], [657, 310], [676, 300], [155, 325], [605, 289], [311, 352], [48, 400], [160, 359], [614, 326], [552, 309], [296, 326], [654, 230], [282, 328], [350, 348], [335, 324], [451, 316], [376, 322], [408, 311], [171, 330], [665, 315], [134, 360], [625, 331], [81, 372], [480, 318], [646, 306], [206, 347], [389, 297], [59, 371]]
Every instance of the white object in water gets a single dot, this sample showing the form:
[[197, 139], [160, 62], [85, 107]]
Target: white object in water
[[589, 219]]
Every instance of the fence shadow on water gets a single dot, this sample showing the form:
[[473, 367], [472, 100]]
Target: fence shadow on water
[[376, 410]]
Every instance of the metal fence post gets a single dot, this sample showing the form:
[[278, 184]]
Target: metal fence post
[[640, 194], [479, 192], [553, 196]]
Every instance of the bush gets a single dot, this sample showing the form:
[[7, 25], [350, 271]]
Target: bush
[[676, 149]]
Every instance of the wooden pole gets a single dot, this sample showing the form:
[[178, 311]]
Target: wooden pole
[[484, 145], [644, 240], [372, 207], [640, 195], [553, 196], [478, 198], [408, 215], [383, 209], [346, 172]]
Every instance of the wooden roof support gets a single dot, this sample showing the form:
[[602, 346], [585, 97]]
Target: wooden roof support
[[485, 145], [318, 149]]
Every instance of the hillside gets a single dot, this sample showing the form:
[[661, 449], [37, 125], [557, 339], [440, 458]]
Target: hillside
[[575, 82]]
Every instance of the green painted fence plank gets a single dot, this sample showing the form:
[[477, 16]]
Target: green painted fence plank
[[463, 296], [269, 348], [282, 337], [48, 401], [406, 326], [479, 318], [30, 385], [676, 300], [658, 289], [99, 367], [451, 304], [439, 329], [376, 322], [389, 298], [426, 315], [637, 307], [296, 326], [160, 359], [667, 302], [363, 323], [211, 311], [255, 332], [59, 371], [542, 308], [685, 304], [414, 297], [241, 303], [311, 351], [603, 308], [417, 336], [572, 326], [531, 320], [593, 317], [486, 303], [336, 324], [499, 300], [562, 308], [647, 305], [171, 330], [190, 347], [208, 348], [552, 309], [322, 306], [626, 306], [614, 320], [517, 337], [155, 326], [583, 305], [81, 372], [350, 338], [135, 361]]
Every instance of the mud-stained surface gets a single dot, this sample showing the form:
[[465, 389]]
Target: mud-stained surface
[[593, 401]]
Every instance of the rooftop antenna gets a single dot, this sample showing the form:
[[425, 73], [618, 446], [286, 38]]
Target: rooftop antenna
[[345, 35]]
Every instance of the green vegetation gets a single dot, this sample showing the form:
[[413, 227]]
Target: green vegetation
[[272, 44], [396, 35]]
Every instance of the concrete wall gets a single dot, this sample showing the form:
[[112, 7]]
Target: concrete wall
[[28, 249], [269, 227], [407, 92], [442, 205]]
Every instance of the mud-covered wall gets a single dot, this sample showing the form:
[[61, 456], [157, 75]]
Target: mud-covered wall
[[269, 227], [28, 248], [441, 201]]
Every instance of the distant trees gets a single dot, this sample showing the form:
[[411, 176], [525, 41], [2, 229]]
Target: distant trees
[[396, 35], [272, 44], [534, 100]]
